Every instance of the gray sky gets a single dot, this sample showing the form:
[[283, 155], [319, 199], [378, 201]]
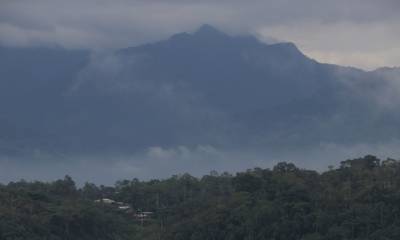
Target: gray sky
[[361, 33]]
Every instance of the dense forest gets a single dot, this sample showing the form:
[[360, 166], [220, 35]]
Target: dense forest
[[359, 199]]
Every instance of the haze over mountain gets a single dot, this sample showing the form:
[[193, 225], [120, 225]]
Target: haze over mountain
[[194, 102]]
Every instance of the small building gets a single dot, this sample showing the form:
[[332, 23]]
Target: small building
[[143, 215], [105, 200], [124, 207]]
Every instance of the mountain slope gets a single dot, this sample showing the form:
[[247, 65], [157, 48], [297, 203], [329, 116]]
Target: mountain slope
[[201, 88]]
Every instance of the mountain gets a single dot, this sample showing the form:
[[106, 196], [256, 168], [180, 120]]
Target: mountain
[[33, 83], [205, 88]]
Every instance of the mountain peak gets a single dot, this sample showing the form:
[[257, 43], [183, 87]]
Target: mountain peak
[[207, 29]]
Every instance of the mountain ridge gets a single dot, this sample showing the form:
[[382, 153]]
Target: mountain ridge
[[220, 91]]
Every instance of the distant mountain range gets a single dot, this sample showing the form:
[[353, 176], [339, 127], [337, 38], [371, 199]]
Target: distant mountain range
[[201, 88]]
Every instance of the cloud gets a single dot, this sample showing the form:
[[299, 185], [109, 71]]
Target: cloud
[[363, 44], [323, 29], [158, 162], [363, 33]]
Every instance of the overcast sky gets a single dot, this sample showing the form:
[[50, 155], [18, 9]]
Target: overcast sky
[[362, 33]]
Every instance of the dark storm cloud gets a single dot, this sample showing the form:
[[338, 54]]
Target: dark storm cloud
[[120, 23]]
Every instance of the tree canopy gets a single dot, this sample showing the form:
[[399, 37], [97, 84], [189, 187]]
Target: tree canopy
[[358, 200]]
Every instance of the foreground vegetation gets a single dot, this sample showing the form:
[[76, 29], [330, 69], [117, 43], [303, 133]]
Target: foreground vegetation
[[358, 200]]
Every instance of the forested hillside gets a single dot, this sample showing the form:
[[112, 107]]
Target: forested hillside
[[360, 199]]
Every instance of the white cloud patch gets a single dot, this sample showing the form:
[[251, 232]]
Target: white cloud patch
[[158, 162], [367, 45]]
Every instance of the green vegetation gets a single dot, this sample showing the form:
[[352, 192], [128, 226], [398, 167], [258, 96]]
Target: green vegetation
[[358, 200]]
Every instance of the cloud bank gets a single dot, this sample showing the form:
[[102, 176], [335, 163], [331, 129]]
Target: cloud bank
[[172, 114], [362, 33], [158, 162]]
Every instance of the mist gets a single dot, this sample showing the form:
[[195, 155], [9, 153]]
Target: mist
[[194, 102]]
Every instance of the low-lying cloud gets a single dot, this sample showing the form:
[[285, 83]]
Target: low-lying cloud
[[158, 162], [127, 115]]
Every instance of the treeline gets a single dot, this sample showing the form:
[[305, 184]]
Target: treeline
[[360, 199]]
